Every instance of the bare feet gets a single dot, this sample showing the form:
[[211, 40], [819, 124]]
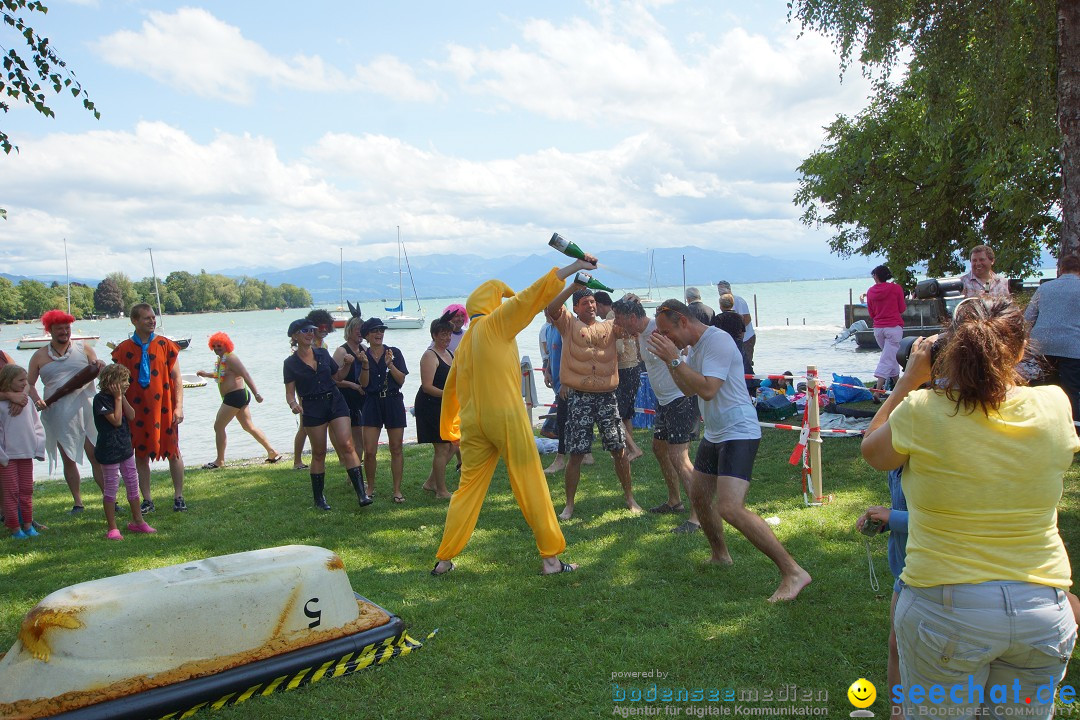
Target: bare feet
[[634, 455], [724, 560], [447, 496], [555, 466], [633, 507], [791, 586], [567, 513], [588, 459], [429, 487]]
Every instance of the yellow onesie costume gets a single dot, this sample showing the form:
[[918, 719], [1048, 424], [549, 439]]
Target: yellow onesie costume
[[482, 407]]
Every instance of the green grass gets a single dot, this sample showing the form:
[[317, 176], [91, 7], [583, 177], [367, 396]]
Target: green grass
[[512, 644]]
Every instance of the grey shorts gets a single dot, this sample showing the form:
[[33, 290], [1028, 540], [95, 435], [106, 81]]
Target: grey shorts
[[676, 422], [626, 393], [731, 458], [583, 409]]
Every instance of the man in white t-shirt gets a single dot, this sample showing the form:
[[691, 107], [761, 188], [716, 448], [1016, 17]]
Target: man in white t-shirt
[[725, 458], [749, 338], [676, 416]]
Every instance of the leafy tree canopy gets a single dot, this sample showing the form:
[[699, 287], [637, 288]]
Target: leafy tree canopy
[[962, 149]]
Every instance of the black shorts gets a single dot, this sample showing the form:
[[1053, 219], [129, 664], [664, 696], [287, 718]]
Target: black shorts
[[676, 422], [582, 410], [238, 399], [732, 458], [626, 393], [387, 412], [321, 409]]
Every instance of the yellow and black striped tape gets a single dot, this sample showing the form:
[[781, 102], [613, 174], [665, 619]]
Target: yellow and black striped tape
[[373, 654]]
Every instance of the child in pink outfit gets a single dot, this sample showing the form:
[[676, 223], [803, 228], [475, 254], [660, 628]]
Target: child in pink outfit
[[114, 451], [22, 440]]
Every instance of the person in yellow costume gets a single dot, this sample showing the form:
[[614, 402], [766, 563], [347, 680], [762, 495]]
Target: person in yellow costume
[[482, 409]]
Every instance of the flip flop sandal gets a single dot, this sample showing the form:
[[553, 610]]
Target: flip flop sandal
[[399, 499], [666, 509], [564, 567], [434, 570], [271, 461], [211, 466]]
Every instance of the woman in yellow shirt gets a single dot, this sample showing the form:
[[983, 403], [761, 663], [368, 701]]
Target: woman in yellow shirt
[[982, 618]]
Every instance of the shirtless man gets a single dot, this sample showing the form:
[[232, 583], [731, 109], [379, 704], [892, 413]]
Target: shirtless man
[[69, 423], [589, 376], [231, 376]]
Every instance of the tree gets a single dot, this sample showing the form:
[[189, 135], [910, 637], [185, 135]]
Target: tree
[[1008, 68], [890, 186], [11, 306], [36, 298], [295, 297], [183, 284], [108, 300], [24, 77], [127, 289]]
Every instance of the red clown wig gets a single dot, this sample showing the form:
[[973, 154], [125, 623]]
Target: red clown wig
[[56, 316], [223, 339]]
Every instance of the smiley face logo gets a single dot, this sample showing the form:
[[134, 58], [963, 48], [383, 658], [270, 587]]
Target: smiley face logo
[[862, 693]]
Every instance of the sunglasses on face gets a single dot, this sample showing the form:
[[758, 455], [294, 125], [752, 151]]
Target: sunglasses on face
[[307, 331]]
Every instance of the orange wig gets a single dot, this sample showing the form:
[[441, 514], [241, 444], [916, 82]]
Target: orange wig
[[220, 337]]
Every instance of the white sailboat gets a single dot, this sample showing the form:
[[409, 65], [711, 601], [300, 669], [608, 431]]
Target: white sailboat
[[34, 342], [399, 320], [650, 299], [341, 315]]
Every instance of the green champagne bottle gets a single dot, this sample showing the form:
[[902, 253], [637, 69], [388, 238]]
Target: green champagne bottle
[[566, 247], [584, 278]]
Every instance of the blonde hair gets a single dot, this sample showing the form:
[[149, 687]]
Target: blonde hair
[[727, 301], [112, 375], [9, 374]]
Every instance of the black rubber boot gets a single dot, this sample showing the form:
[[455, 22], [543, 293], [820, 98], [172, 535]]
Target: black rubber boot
[[357, 481], [318, 481]]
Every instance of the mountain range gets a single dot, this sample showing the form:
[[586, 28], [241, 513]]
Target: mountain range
[[456, 275]]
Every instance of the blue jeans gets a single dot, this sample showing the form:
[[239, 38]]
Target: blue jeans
[[993, 645]]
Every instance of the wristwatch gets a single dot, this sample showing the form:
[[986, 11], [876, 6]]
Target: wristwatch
[[675, 363]]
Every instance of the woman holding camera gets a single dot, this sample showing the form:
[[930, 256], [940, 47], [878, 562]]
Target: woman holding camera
[[885, 302], [983, 601]]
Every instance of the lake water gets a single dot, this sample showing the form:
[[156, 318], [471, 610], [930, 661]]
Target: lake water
[[796, 323]]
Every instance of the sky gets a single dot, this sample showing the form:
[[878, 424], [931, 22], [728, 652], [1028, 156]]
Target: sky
[[267, 135]]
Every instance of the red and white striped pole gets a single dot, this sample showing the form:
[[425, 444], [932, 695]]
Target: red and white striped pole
[[813, 417]]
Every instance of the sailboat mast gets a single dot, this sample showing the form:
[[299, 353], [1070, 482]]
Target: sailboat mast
[[161, 318], [67, 278], [401, 290], [341, 278]]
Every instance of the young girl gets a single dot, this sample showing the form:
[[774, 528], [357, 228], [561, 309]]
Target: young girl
[[22, 440], [114, 451]]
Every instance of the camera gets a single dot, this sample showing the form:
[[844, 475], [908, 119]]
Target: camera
[[903, 352], [871, 527]]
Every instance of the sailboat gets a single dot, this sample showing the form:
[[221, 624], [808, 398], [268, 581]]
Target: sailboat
[[650, 299], [399, 320], [341, 315], [33, 342]]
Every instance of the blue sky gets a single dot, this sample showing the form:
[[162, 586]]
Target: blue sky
[[269, 134]]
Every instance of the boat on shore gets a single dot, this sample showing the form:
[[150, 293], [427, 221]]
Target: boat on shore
[[922, 318]]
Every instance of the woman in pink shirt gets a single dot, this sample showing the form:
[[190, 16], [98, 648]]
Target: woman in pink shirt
[[885, 301]]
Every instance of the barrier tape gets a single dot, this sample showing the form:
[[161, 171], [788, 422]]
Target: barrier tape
[[809, 429], [373, 654]]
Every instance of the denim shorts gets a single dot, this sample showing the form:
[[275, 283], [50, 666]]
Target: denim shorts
[[980, 642]]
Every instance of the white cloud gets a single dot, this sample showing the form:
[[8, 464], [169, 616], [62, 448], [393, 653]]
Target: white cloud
[[197, 53]]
